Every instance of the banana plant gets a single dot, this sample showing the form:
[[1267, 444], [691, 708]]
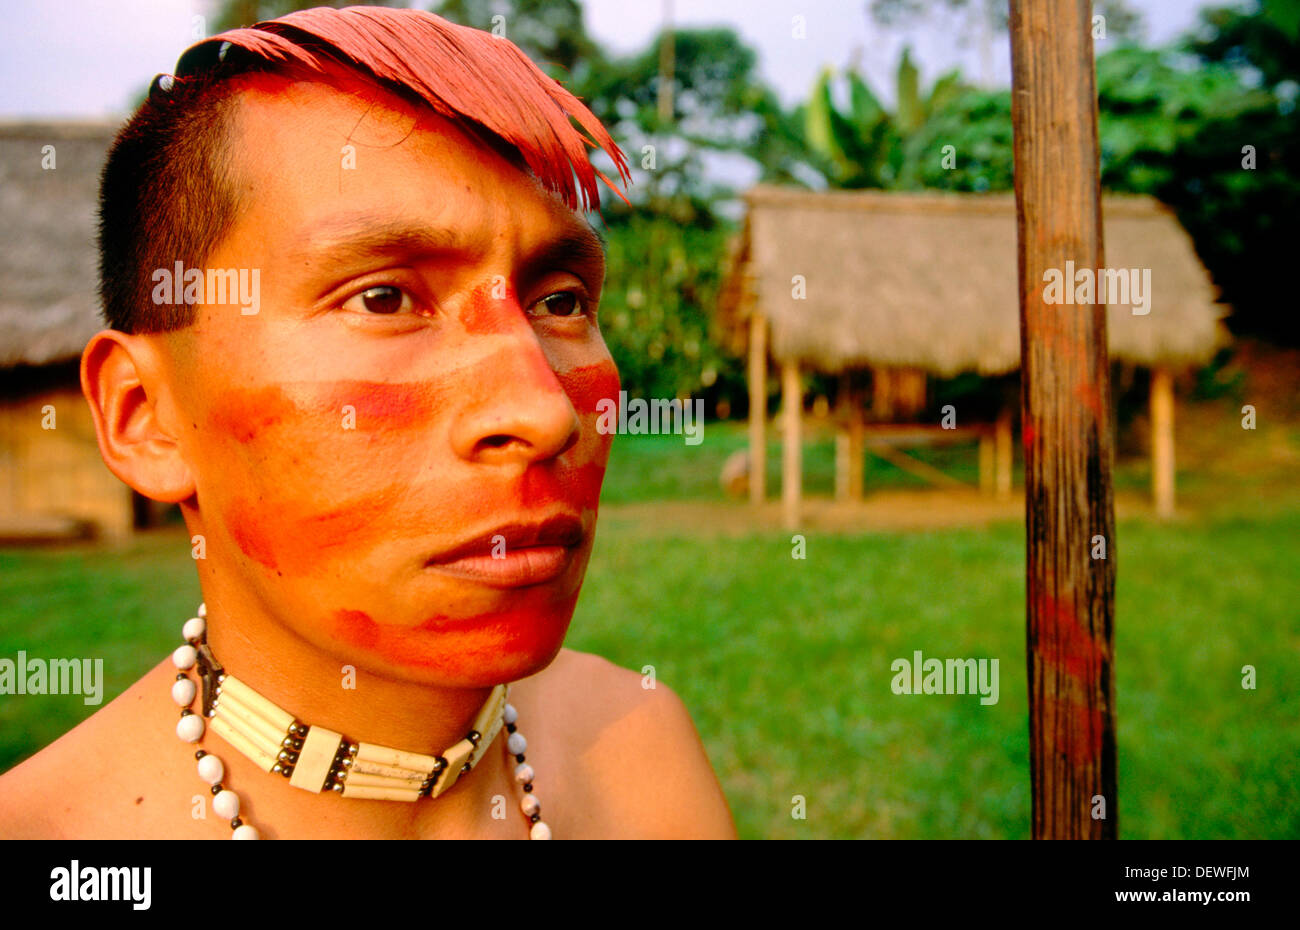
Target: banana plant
[[867, 146]]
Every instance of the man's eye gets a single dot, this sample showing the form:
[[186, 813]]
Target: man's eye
[[383, 298], [563, 303]]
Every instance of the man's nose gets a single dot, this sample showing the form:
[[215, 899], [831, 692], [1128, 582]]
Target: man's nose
[[517, 411]]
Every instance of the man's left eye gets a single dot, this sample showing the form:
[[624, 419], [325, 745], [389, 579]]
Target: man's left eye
[[562, 303], [380, 299]]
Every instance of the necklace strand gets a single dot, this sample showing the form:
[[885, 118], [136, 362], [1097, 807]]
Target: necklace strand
[[225, 802]]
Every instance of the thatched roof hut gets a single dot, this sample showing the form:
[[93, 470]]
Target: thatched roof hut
[[53, 481], [927, 283], [48, 302]]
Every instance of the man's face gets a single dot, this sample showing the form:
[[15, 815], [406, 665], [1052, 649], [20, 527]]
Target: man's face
[[397, 453]]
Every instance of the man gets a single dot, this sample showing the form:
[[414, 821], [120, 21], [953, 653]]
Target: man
[[385, 447]]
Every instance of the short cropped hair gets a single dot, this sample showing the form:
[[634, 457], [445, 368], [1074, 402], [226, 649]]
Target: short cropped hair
[[169, 192]]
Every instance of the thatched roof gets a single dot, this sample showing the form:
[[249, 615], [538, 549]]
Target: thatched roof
[[929, 281], [49, 306]]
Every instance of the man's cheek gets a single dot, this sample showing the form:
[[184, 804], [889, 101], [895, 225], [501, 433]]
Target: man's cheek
[[588, 385], [316, 472]]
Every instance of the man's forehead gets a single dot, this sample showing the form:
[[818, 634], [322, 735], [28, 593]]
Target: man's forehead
[[339, 104], [308, 144]]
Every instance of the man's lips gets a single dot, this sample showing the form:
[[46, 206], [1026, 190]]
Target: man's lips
[[517, 554]]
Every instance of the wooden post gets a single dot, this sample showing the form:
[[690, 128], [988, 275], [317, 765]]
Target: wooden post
[[1065, 397], [882, 394], [986, 462], [850, 440], [857, 445], [791, 457], [842, 408], [1002, 453], [757, 407], [1162, 440]]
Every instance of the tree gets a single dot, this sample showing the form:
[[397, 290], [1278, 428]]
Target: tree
[[233, 14], [1263, 37], [551, 32], [868, 147]]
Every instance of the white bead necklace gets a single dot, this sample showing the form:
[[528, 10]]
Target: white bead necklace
[[317, 759]]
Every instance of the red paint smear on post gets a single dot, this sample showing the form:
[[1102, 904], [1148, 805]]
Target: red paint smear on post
[[1084, 733], [1073, 649], [1086, 392]]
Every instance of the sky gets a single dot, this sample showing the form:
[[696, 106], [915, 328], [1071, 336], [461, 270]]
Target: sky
[[87, 59]]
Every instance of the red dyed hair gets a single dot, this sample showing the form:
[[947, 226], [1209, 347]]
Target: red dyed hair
[[464, 74]]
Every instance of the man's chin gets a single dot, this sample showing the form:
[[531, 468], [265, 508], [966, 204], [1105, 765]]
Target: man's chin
[[456, 652]]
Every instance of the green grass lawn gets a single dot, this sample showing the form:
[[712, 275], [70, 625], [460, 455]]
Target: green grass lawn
[[785, 663]]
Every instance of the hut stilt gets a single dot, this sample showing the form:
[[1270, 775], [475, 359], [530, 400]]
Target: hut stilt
[[1002, 453], [792, 452], [850, 444], [1162, 440], [757, 408]]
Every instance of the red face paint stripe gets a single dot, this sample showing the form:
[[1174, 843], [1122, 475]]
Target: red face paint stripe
[[486, 314], [589, 384], [249, 535]]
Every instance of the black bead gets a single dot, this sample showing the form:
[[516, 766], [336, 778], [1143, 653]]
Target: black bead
[[217, 788], [519, 758], [535, 817], [528, 788], [180, 676], [510, 728], [236, 824], [474, 736], [200, 754], [186, 712]]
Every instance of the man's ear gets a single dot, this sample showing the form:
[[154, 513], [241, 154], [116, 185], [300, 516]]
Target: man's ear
[[124, 379]]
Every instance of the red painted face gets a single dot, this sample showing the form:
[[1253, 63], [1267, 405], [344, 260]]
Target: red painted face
[[398, 453]]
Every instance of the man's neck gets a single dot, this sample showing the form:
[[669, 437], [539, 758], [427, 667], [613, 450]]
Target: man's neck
[[319, 689]]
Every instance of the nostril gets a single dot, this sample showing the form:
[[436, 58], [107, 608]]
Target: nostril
[[495, 442]]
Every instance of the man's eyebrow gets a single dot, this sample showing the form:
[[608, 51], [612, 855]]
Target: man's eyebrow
[[578, 248], [361, 238]]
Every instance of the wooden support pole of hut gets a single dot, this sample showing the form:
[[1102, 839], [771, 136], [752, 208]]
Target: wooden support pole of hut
[[857, 442], [791, 454], [757, 407], [1002, 453], [842, 438], [986, 461], [850, 440], [1065, 398], [1162, 440]]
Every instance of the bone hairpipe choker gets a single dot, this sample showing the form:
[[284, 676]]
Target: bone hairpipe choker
[[316, 759]]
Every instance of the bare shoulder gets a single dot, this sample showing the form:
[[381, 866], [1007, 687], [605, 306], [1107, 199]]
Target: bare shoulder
[[34, 793], [631, 745], [80, 785]]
